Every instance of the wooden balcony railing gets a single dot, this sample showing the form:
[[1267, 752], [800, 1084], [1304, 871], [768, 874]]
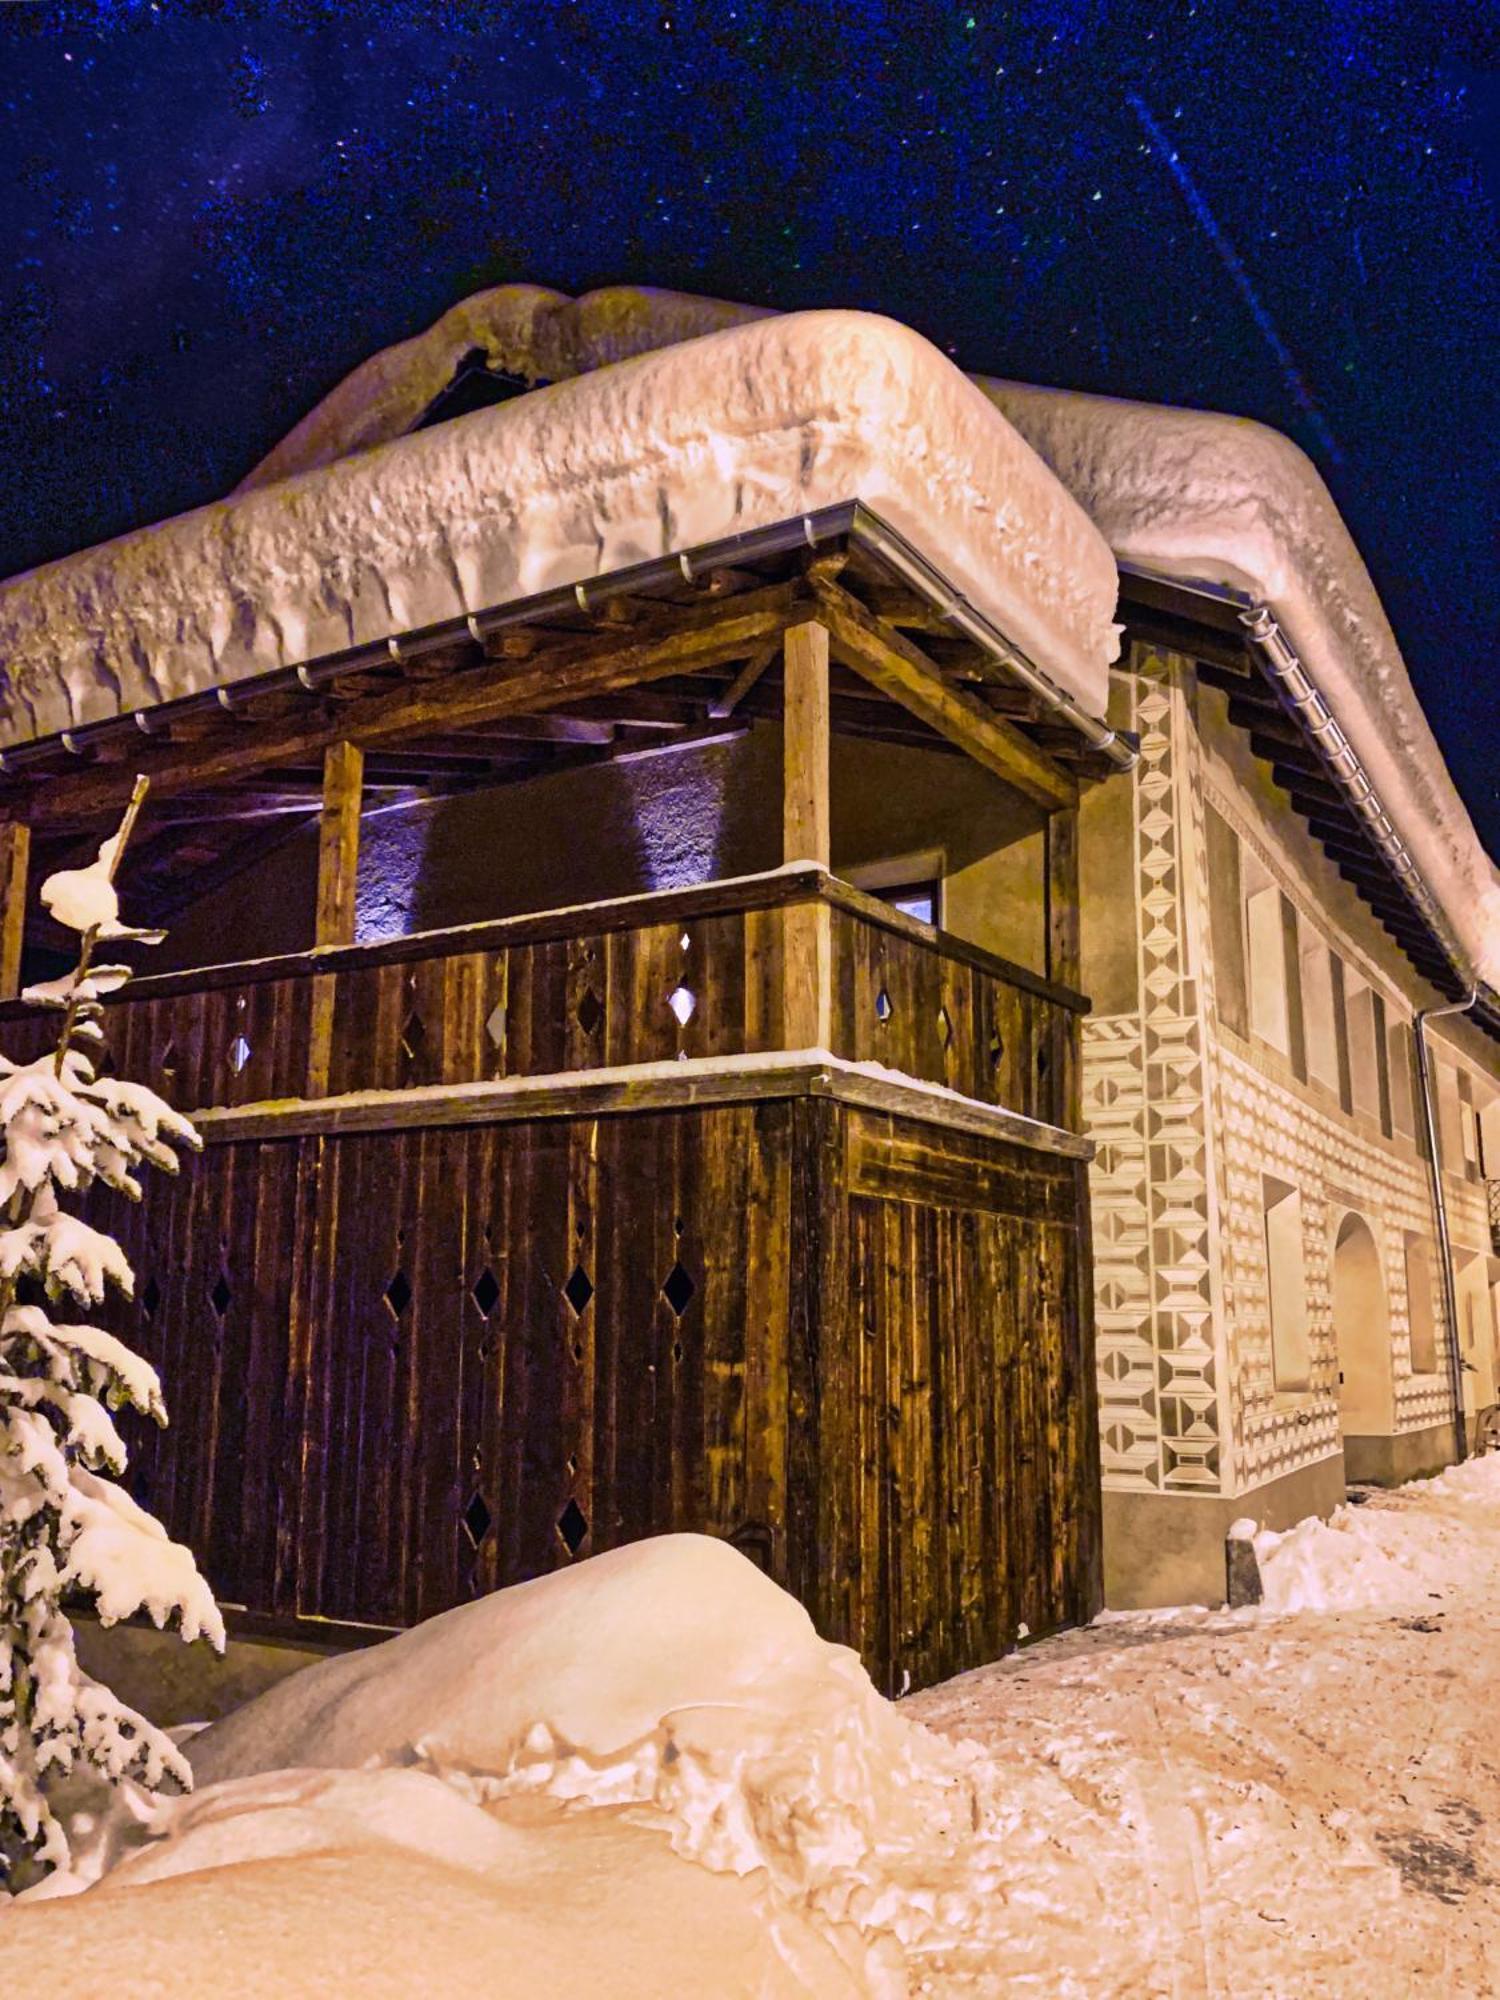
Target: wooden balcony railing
[[692, 972]]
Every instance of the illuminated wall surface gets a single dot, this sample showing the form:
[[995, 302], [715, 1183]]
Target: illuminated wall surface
[[658, 821], [214, 211]]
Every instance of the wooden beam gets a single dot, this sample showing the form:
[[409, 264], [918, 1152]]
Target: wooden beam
[[15, 861], [726, 703], [902, 671], [338, 843], [807, 835], [582, 1095], [700, 639]]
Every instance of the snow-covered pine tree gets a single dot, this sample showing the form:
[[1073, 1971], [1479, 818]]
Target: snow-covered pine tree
[[65, 1529]]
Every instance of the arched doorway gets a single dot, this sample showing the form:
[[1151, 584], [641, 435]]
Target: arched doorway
[[1362, 1332]]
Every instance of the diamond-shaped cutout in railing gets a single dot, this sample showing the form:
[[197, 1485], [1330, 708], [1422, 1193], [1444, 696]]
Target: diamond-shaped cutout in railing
[[220, 1296], [683, 1003], [168, 1061], [494, 1026], [578, 1290], [477, 1519], [397, 1295], [589, 1012], [997, 1050], [883, 1007], [151, 1297], [678, 1290], [486, 1292], [239, 1053], [1043, 1062], [945, 1028], [413, 1037], [572, 1525]]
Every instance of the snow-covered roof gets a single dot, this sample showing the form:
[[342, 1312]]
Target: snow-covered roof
[[1200, 497], [741, 428], [1191, 495]]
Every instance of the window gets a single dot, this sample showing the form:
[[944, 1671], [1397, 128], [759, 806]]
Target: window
[[1400, 1060], [1286, 1275], [911, 883], [1226, 915], [1270, 1017], [1468, 1126], [914, 899], [1449, 1118], [1365, 1052], [1318, 1011], [1419, 1314]]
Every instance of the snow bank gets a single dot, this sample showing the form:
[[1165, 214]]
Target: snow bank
[[742, 428], [385, 1885], [672, 1680], [1424, 1544], [664, 1711]]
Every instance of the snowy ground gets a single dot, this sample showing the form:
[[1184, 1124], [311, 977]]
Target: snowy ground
[[674, 1787]]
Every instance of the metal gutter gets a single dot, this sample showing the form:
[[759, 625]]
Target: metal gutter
[[874, 534], [1301, 697], [1440, 1215], [848, 520]]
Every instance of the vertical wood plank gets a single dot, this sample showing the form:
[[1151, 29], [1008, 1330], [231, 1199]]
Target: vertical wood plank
[[338, 864], [1063, 932], [15, 865], [807, 834], [806, 821], [338, 843]]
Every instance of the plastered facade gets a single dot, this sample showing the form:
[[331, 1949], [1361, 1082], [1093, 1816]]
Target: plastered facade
[[1190, 1117]]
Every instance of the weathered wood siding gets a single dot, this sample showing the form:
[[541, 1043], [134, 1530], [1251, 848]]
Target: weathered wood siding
[[408, 1367], [589, 989]]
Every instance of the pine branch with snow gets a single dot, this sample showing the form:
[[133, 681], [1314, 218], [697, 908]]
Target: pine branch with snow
[[66, 1530]]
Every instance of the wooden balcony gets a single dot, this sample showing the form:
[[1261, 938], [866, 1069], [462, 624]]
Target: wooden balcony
[[690, 973], [755, 1209]]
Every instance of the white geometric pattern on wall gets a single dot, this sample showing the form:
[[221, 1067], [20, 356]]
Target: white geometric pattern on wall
[[1186, 1122]]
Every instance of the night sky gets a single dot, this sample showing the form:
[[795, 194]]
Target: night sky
[[212, 211]]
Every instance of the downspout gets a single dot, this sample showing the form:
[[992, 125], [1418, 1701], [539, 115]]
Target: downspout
[[1440, 1213]]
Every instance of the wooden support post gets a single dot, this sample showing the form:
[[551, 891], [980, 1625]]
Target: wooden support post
[[15, 859], [807, 836], [1064, 958], [1063, 900], [338, 865], [338, 842]]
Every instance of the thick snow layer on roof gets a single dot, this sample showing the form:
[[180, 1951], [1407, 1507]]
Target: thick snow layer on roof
[[1190, 494], [1217, 499], [746, 427], [521, 330]]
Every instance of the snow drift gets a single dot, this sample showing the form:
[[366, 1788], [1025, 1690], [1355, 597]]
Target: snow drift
[[668, 1698], [742, 428], [1426, 1544]]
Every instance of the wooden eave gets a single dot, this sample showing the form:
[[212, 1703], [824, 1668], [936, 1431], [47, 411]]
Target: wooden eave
[[1156, 613], [636, 662]]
